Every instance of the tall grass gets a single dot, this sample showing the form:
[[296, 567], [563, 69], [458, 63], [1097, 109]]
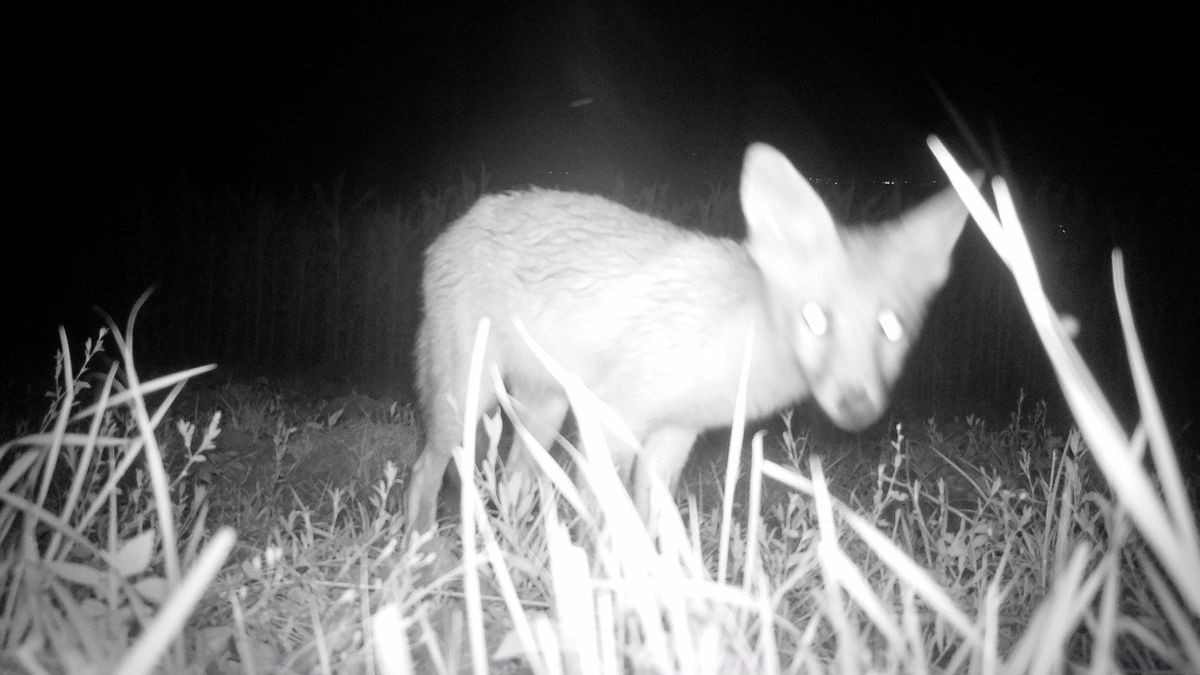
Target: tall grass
[[1075, 553], [93, 568]]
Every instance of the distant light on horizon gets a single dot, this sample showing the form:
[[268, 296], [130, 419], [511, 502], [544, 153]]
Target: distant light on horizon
[[822, 180]]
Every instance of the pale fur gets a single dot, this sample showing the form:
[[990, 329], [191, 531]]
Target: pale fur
[[654, 318]]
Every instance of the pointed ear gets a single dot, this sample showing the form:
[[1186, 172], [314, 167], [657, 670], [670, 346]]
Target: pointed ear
[[779, 204], [932, 228]]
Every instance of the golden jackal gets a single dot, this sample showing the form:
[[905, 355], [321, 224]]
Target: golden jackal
[[654, 318]]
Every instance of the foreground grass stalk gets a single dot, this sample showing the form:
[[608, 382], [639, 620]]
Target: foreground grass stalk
[[1170, 528]]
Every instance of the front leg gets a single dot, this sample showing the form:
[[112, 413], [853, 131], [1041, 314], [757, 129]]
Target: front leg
[[662, 458]]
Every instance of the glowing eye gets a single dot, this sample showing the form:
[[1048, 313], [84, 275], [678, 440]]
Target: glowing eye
[[890, 324], [815, 319]]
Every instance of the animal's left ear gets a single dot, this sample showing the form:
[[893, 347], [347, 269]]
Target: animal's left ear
[[930, 230]]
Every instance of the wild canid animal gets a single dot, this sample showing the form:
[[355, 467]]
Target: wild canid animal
[[654, 318]]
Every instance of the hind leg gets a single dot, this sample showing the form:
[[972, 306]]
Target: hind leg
[[443, 432], [424, 485]]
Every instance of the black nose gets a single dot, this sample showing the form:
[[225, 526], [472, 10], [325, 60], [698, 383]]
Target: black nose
[[856, 411]]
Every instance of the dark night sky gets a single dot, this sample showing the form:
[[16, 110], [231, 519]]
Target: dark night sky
[[409, 99], [108, 105]]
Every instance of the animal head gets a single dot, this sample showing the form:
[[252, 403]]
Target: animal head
[[851, 302]]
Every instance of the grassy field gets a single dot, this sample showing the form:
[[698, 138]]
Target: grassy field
[[196, 522]]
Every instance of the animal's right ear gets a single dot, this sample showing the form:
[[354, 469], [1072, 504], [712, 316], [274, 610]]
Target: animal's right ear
[[780, 206]]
